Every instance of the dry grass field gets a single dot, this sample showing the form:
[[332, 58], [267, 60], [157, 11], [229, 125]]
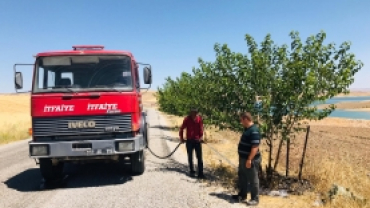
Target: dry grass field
[[15, 117], [351, 105], [335, 155], [338, 151], [356, 93], [149, 100]]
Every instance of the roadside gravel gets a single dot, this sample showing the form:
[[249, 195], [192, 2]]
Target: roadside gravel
[[164, 184]]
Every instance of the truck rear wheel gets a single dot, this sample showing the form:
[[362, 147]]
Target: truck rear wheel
[[50, 171], [137, 163]]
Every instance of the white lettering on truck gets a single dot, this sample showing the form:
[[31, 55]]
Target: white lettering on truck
[[105, 106], [58, 108]]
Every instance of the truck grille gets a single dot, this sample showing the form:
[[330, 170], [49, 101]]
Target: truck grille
[[58, 126]]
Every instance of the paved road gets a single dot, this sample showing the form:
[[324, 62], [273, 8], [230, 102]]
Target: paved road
[[164, 184]]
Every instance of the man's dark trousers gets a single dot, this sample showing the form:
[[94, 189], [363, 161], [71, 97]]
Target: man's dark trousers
[[248, 178], [191, 145]]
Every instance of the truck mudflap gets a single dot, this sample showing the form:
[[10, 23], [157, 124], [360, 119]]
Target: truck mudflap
[[83, 148]]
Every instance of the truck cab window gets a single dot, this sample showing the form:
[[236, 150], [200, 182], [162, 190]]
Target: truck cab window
[[51, 79], [67, 76], [45, 79], [40, 78], [137, 78], [95, 73]]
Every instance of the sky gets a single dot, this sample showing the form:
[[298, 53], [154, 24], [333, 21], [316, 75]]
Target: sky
[[172, 34]]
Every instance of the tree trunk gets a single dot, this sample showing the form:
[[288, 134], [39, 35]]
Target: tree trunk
[[287, 157], [303, 154], [269, 168], [278, 154]]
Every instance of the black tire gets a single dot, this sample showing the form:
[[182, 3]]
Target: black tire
[[145, 130], [146, 135], [50, 171], [137, 163]]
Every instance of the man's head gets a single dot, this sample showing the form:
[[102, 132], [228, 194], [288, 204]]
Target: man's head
[[193, 113], [246, 119]]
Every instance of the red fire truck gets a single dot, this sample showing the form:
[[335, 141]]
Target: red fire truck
[[86, 106]]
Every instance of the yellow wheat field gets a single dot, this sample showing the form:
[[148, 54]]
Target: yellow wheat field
[[15, 119]]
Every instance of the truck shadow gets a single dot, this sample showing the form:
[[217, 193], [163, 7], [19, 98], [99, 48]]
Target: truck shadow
[[77, 176]]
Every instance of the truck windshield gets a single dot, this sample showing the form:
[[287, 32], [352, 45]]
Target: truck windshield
[[83, 73]]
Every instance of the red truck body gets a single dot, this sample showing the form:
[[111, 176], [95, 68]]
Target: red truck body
[[52, 105], [86, 105]]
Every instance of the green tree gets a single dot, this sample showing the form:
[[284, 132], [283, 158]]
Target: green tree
[[288, 81]]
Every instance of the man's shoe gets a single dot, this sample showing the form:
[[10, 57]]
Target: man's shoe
[[192, 173], [252, 202], [238, 198], [201, 176]]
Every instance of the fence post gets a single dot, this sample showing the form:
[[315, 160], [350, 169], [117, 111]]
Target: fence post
[[304, 153]]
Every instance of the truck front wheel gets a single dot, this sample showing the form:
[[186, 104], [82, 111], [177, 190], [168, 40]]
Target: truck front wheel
[[146, 135], [50, 171], [137, 162]]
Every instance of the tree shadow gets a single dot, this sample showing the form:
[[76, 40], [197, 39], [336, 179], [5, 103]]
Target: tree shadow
[[291, 184], [76, 176]]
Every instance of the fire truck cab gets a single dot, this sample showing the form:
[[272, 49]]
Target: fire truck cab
[[86, 106]]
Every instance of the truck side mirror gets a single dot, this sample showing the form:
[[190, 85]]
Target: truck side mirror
[[147, 75], [18, 80]]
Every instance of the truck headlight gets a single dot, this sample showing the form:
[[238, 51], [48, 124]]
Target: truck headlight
[[126, 146], [39, 150]]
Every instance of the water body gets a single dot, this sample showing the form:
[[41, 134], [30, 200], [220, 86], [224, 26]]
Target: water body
[[348, 114], [339, 113], [347, 99]]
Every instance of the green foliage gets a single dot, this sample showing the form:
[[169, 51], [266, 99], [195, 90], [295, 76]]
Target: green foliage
[[288, 80]]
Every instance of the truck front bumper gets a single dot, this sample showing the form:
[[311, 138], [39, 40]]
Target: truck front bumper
[[83, 148]]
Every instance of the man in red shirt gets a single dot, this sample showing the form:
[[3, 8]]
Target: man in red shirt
[[193, 124]]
